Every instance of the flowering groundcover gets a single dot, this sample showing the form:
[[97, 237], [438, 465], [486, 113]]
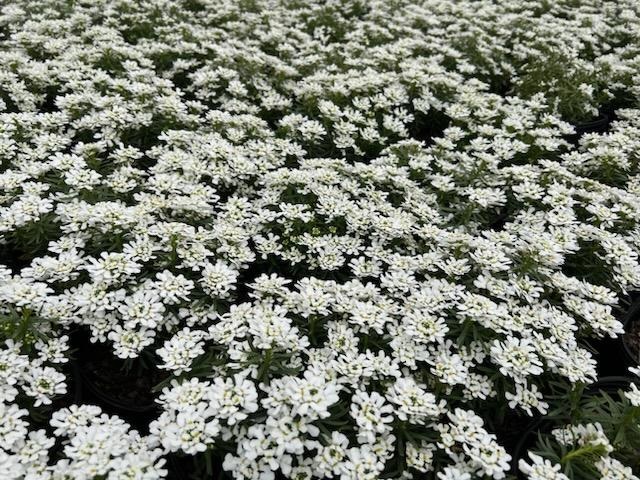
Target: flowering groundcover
[[350, 239]]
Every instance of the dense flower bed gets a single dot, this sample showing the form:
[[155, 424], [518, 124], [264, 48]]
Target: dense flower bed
[[344, 239]]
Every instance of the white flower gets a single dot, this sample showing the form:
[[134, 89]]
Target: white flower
[[111, 268], [527, 399], [372, 415], [489, 458], [541, 469], [233, 399], [218, 279], [188, 430], [584, 434], [12, 427], [270, 328], [328, 461], [53, 350], [310, 396], [423, 327], [612, 469], [420, 457], [413, 402], [129, 343], [336, 212], [179, 351], [452, 473], [361, 464], [143, 308], [173, 288], [633, 394], [516, 358], [43, 383]]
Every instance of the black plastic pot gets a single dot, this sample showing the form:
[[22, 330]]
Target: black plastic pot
[[598, 125], [614, 355], [630, 321], [95, 360], [112, 401], [181, 466], [610, 385], [427, 127], [78, 397], [13, 258], [498, 223]]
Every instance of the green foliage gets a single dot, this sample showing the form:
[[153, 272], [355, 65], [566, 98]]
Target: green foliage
[[620, 422], [568, 84], [22, 326]]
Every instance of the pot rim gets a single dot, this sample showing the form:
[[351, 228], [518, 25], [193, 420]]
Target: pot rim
[[631, 315], [599, 120]]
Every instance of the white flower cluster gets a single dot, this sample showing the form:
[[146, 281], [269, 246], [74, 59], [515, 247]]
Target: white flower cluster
[[345, 227], [32, 376], [95, 445]]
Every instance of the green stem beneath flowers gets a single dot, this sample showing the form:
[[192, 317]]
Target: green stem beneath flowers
[[266, 363]]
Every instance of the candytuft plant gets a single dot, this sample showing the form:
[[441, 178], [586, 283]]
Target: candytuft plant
[[343, 239]]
